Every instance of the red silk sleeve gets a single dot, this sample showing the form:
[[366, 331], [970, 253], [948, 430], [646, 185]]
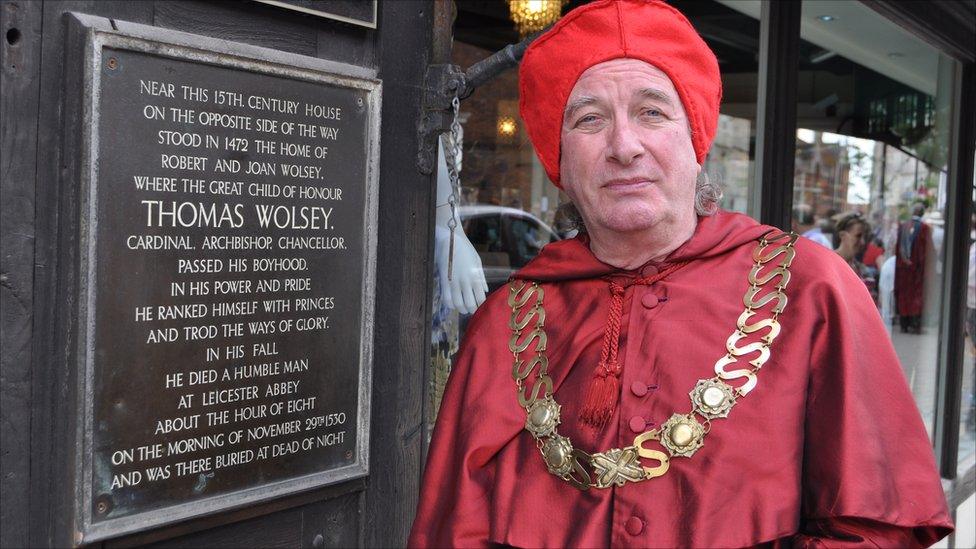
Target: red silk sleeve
[[456, 489], [869, 476], [851, 532]]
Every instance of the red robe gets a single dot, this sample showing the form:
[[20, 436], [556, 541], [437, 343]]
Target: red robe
[[829, 445], [910, 267]]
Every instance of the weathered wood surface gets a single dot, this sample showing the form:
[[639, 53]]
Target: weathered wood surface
[[41, 165], [54, 383], [257, 24], [19, 82], [404, 257]]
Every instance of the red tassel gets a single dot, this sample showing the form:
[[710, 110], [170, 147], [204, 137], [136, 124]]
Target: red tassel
[[601, 397], [604, 390]]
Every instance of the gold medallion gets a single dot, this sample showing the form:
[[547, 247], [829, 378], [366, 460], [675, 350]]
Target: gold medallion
[[712, 398], [682, 435], [542, 417], [557, 451]]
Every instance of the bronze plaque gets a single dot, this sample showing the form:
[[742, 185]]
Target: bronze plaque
[[229, 292]]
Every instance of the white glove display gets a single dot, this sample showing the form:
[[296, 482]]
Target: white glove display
[[467, 288]]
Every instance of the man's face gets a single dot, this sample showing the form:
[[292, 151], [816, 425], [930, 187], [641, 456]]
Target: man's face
[[627, 160]]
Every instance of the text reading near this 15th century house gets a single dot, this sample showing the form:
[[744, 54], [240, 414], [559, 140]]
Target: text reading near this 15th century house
[[230, 271]]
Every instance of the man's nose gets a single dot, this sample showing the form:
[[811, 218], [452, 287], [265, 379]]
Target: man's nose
[[625, 145]]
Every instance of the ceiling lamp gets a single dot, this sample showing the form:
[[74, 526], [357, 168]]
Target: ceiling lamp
[[534, 15], [507, 127]]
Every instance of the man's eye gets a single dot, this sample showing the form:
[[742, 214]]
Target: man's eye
[[654, 113], [587, 119]]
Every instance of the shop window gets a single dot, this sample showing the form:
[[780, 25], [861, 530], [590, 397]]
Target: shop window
[[734, 37], [873, 113], [967, 415]]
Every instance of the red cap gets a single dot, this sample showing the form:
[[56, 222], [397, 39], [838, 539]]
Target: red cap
[[648, 30]]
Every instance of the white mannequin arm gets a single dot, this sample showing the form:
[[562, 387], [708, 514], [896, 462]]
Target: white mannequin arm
[[467, 288]]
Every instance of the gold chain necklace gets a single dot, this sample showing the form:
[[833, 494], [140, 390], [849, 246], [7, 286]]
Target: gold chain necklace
[[681, 435]]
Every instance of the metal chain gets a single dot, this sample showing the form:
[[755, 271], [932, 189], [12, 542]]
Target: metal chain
[[681, 435], [453, 152]]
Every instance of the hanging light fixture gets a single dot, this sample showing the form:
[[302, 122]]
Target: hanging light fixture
[[507, 128], [534, 15]]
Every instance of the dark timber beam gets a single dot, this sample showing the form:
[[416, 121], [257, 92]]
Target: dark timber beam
[[779, 46], [959, 209]]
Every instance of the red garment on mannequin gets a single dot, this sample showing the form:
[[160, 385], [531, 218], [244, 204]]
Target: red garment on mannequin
[[910, 269]]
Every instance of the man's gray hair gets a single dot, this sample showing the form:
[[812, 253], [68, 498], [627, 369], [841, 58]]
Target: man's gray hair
[[708, 194]]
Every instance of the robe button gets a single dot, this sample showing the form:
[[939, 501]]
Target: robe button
[[637, 424], [649, 300], [649, 270], [634, 526], [638, 388]]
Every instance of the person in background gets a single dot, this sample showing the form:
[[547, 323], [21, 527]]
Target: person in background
[[823, 230], [912, 251], [971, 321], [874, 253], [851, 229], [873, 257]]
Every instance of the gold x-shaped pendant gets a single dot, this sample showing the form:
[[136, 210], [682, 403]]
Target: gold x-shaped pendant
[[616, 466]]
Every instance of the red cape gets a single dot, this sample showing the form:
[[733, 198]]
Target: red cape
[[829, 446], [910, 270]]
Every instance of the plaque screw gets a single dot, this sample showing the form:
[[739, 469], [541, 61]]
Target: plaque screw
[[348, 454], [318, 541], [359, 101], [113, 63], [102, 506]]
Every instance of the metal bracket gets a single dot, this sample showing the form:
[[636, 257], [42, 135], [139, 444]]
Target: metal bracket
[[443, 82]]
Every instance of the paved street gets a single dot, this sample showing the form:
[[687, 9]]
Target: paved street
[[919, 355]]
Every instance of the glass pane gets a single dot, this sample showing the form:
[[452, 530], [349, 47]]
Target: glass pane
[[734, 37], [967, 416], [871, 152]]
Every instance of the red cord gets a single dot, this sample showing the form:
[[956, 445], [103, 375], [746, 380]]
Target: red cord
[[604, 391]]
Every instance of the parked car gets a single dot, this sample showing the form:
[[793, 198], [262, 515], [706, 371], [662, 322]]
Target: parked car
[[505, 238]]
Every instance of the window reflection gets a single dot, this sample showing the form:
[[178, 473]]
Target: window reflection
[[967, 416], [731, 160], [733, 34], [506, 239], [873, 117]]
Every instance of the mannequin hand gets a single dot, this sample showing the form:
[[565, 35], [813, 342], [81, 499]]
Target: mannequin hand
[[467, 288]]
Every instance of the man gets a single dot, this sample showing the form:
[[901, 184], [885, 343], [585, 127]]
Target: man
[[913, 253], [613, 396]]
